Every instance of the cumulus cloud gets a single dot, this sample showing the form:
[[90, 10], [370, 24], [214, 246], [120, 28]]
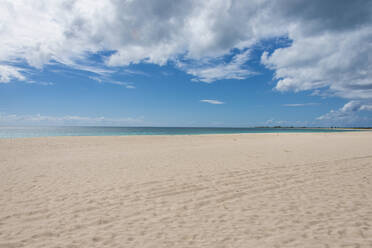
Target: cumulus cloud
[[348, 114], [331, 48], [8, 73], [354, 106], [212, 101], [208, 72], [331, 41], [68, 32]]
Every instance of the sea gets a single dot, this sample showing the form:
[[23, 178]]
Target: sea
[[32, 131]]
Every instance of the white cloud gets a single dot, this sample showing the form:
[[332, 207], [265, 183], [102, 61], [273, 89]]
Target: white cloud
[[338, 61], [209, 72], [105, 80], [69, 32], [212, 101], [286, 123], [7, 73], [331, 41], [125, 84], [354, 106], [14, 119], [43, 83], [300, 104], [348, 114], [331, 46], [135, 72]]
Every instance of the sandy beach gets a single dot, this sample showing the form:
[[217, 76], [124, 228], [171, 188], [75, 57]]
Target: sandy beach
[[241, 190]]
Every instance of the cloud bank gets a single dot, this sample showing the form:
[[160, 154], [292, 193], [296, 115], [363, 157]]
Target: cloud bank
[[14, 119]]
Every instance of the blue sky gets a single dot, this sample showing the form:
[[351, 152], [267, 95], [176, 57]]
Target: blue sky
[[274, 76]]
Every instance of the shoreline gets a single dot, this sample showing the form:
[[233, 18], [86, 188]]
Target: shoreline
[[343, 130]]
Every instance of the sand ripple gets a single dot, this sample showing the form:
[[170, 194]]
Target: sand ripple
[[317, 204]]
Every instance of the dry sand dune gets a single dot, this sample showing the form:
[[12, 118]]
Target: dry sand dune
[[248, 190]]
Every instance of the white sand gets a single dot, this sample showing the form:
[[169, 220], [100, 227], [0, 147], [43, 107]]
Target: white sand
[[248, 190]]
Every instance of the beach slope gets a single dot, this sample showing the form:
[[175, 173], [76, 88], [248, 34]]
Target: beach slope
[[241, 190]]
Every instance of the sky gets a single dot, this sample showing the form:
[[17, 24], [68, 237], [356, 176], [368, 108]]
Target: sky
[[186, 63]]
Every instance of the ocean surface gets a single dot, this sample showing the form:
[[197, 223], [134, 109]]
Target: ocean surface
[[24, 132]]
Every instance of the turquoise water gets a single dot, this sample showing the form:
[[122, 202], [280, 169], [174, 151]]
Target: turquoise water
[[23, 132]]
